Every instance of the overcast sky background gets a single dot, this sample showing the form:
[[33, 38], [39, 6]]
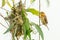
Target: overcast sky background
[[53, 15]]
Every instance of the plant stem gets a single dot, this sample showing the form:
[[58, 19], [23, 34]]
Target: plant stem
[[39, 17], [4, 9]]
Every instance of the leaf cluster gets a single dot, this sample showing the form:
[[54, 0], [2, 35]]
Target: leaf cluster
[[19, 23]]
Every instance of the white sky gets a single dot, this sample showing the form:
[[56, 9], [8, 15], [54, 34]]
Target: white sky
[[53, 14]]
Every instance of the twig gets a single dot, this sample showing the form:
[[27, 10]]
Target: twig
[[4, 9], [3, 25], [4, 18]]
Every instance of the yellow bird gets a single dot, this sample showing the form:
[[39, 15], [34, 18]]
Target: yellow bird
[[43, 19]]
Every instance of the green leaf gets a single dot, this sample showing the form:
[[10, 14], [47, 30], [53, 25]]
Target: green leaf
[[3, 3], [31, 1], [10, 27], [26, 25], [8, 3], [27, 29], [25, 35], [39, 30], [29, 35], [24, 28], [33, 11]]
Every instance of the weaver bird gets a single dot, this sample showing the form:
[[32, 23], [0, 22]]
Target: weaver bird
[[43, 19]]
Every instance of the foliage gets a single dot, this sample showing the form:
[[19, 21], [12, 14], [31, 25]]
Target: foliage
[[19, 23], [39, 30], [3, 3], [33, 11]]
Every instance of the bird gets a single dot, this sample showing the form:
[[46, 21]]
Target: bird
[[43, 19]]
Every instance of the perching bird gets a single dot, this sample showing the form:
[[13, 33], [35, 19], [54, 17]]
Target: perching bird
[[43, 19]]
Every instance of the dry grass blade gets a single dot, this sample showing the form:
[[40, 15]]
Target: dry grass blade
[[3, 25], [4, 18]]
